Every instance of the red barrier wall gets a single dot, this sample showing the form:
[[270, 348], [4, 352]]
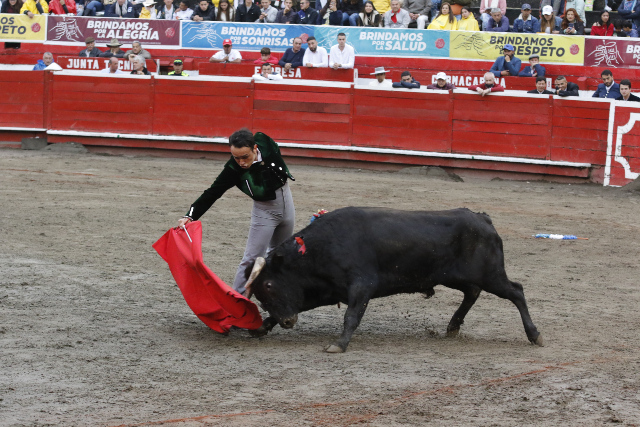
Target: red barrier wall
[[249, 69], [22, 99], [455, 127]]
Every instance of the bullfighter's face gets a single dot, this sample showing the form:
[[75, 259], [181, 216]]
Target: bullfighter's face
[[244, 156]]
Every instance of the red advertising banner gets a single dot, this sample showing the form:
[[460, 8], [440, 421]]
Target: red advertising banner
[[606, 52], [147, 31], [99, 64]]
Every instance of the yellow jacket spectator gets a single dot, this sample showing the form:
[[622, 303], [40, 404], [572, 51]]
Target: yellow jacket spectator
[[468, 22], [382, 6], [30, 6], [444, 20]]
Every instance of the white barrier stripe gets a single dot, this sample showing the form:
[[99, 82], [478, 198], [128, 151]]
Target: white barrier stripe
[[23, 129], [331, 148]]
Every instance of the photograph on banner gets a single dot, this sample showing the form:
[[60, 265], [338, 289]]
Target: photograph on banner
[[623, 53], [147, 31], [387, 41], [210, 35], [488, 46], [14, 27]]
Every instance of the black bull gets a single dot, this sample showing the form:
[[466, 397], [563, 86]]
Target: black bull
[[354, 254]]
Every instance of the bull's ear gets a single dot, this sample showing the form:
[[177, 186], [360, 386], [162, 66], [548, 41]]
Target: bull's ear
[[277, 260]]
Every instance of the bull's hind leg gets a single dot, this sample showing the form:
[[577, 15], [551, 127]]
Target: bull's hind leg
[[513, 292], [470, 297]]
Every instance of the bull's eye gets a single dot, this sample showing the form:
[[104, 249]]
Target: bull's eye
[[268, 285]]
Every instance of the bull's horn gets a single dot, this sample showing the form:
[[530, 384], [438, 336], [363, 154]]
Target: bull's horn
[[257, 268]]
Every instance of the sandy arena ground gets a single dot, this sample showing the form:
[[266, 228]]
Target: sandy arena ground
[[94, 331]]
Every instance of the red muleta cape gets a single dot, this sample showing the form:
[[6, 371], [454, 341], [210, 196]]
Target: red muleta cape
[[213, 301]]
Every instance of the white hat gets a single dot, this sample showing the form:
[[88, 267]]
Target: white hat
[[379, 70], [148, 3], [547, 10], [441, 75]]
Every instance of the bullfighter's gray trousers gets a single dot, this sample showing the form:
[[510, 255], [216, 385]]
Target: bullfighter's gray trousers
[[271, 224]]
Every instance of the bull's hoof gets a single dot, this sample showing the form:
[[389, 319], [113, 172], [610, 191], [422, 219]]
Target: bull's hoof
[[260, 332], [452, 333], [538, 341], [334, 349]]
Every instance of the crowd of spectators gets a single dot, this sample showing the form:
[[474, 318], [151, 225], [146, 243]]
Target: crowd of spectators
[[555, 16]]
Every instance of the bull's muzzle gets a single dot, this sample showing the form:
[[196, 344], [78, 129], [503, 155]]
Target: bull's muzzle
[[289, 322]]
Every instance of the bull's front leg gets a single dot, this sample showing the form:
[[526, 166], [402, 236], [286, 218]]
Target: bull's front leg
[[359, 295], [267, 326]]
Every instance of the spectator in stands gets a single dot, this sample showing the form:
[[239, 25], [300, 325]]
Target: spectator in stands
[[396, 17], [441, 83], [139, 66], [204, 12], [534, 69], [488, 86], [62, 7], [571, 24], [350, 10], [507, 64], [315, 56], [382, 6], [184, 12], [418, 12], [113, 67], [266, 73], [565, 88], [227, 54], [34, 7], [136, 49], [526, 23], [578, 5], [91, 50], [11, 6], [114, 50], [445, 19], [292, 57], [329, 14], [342, 55], [467, 22], [407, 81], [498, 22], [247, 12], [369, 17], [625, 92], [549, 23], [629, 10], [268, 13], [148, 10], [608, 88], [287, 15], [47, 59], [541, 87], [627, 30], [266, 57], [485, 8], [603, 27], [307, 14], [381, 78], [120, 9], [225, 12], [178, 67]]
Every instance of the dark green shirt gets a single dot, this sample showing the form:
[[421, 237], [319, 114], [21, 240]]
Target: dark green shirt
[[259, 182]]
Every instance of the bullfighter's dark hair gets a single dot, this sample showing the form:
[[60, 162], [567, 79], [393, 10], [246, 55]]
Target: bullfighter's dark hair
[[606, 73], [540, 79], [242, 138], [626, 82]]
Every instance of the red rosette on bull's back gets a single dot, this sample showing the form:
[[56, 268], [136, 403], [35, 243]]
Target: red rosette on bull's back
[[212, 300]]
